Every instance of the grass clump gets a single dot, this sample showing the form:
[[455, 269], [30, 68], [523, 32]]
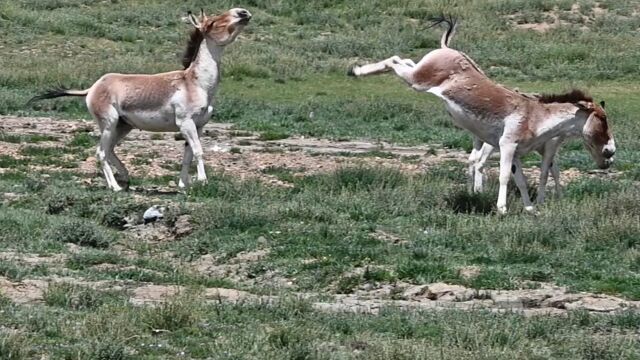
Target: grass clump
[[83, 233], [74, 297]]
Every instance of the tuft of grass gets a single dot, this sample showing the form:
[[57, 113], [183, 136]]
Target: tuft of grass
[[15, 346], [74, 297], [25, 138], [174, 314], [83, 140], [272, 135], [465, 202], [83, 233]]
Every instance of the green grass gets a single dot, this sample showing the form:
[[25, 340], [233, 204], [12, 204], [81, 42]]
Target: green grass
[[286, 76]]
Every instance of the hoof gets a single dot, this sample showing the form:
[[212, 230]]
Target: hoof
[[531, 210], [124, 183]]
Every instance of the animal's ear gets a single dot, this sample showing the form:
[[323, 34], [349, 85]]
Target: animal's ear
[[602, 104], [193, 20]]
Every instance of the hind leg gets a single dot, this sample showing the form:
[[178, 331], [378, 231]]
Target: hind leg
[[186, 163], [108, 121], [122, 175]]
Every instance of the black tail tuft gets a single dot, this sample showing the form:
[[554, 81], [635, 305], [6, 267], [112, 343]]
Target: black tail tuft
[[50, 94], [451, 22]]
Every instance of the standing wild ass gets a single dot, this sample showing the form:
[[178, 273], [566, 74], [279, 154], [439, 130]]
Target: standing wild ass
[[514, 123], [173, 101]]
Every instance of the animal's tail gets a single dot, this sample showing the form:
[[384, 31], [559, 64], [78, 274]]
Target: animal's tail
[[59, 92], [451, 29]]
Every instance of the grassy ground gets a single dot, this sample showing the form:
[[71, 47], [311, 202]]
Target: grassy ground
[[285, 77]]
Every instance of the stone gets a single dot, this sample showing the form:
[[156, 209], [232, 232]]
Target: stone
[[153, 214], [597, 304], [447, 292], [561, 301], [414, 291], [183, 226]]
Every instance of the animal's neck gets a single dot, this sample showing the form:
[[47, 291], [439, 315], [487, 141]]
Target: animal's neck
[[206, 66], [570, 126]]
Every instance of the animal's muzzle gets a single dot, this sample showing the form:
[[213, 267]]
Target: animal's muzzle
[[606, 163], [244, 15], [608, 152]]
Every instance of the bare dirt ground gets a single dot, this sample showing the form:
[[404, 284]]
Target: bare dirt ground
[[239, 153], [243, 155]]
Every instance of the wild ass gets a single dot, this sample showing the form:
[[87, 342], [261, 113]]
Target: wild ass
[[503, 118], [548, 150], [173, 101]]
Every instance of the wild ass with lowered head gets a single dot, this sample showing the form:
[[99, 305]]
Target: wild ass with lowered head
[[505, 119], [548, 150], [173, 101]]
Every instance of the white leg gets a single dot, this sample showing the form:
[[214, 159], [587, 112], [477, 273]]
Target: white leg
[[507, 150], [473, 159], [190, 133], [186, 163], [548, 153], [484, 154], [122, 175], [106, 140], [402, 67], [521, 183]]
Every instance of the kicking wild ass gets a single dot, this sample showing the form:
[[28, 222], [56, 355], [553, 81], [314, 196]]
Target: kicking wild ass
[[514, 123], [173, 101]]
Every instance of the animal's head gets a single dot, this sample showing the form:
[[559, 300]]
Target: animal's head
[[597, 133], [221, 29]]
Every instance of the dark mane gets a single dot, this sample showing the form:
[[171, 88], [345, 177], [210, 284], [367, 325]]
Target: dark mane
[[573, 97], [195, 39]]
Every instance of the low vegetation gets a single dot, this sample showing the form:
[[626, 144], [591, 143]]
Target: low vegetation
[[317, 234]]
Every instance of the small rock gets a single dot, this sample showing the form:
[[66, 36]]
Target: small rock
[[183, 226], [153, 214], [506, 300], [447, 292], [414, 291], [10, 197], [598, 304], [561, 301]]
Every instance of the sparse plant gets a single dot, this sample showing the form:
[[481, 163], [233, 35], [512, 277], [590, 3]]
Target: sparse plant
[[83, 233]]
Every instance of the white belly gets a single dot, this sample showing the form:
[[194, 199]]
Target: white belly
[[486, 132], [156, 121]]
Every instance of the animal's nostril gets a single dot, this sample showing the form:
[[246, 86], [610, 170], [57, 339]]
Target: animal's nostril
[[608, 153]]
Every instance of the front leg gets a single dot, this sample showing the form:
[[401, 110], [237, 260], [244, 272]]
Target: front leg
[[191, 134], [403, 68], [507, 151]]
